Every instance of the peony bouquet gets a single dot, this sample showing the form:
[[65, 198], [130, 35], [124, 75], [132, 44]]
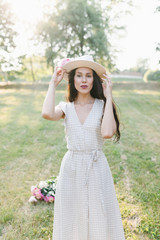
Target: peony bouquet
[[45, 190]]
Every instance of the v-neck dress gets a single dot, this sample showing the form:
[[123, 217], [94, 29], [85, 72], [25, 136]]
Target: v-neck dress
[[85, 206]]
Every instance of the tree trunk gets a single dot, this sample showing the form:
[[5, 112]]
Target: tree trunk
[[6, 76], [32, 71], [82, 44]]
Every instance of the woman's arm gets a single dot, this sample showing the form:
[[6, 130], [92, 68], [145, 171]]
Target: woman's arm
[[49, 111], [108, 126]]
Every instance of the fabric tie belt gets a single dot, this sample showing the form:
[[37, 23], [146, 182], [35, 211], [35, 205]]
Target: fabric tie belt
[[93, 158]]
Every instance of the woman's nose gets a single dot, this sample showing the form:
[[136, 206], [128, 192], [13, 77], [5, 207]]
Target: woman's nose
[[83, 79]]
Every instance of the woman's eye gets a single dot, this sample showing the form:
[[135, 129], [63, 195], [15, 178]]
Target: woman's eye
[[78, 75], [89, 75]]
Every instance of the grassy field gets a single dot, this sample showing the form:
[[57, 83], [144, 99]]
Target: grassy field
[[32, 149]]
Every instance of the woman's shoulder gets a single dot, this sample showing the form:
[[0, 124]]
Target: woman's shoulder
[[64, 105], [64, 102]]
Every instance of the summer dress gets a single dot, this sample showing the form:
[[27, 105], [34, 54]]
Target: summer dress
[[85, 206]]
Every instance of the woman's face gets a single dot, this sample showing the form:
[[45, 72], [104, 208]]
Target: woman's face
[[83, 77]]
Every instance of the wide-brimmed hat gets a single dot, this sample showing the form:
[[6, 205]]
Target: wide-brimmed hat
[[84, 61]]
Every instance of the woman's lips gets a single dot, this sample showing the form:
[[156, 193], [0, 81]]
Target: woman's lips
[[84, 86]]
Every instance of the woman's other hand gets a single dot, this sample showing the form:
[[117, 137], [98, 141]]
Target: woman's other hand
[[107, 86], [57, 76]]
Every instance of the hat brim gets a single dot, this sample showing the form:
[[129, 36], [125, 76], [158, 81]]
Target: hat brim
[[98, 68]]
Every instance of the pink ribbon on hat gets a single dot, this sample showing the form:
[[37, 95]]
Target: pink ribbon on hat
[[63, 61]]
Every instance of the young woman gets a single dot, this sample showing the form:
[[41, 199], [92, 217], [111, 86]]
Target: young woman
[[85, 206]]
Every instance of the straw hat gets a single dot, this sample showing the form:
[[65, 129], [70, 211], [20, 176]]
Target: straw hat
[[83, 61]]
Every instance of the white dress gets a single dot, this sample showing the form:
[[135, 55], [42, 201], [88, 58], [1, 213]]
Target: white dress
[[85, 206]]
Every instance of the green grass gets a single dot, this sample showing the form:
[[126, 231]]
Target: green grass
[[32, 149]]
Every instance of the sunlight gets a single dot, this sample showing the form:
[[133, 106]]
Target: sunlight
[[141, 35], [28, 11], [139, 41]]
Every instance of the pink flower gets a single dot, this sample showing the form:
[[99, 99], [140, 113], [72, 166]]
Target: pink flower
[[42, 196], [37, 193], [63, 61], [46, 198], [51, 199]]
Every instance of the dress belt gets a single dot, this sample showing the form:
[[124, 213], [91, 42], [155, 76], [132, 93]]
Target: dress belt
[[94, 157]]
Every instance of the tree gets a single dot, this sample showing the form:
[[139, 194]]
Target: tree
[[32, 68], [76, 28], [7, 34], [80, 27], [142, 65], [158, 45]]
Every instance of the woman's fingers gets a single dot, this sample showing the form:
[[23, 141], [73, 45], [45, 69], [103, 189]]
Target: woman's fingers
[[104, 80], [106, 75], [107, 79], [60, 71]]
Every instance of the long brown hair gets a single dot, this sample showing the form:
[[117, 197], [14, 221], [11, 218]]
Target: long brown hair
[[96, 92]]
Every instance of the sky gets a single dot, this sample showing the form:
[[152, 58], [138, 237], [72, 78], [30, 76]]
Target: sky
[[142, 35], [139, 41]]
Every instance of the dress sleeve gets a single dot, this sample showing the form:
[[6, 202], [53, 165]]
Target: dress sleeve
[[63, 106]]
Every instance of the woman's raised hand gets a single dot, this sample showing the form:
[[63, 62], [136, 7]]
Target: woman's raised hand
[[107, 86], [57, 76]]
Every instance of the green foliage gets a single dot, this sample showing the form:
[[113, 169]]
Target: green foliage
[[158, 47], [6, 27], [32, 69], [76, 28], [7, 33], [141, 66], [152, 75]]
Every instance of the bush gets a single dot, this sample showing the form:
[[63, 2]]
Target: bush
[[152, 75]]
